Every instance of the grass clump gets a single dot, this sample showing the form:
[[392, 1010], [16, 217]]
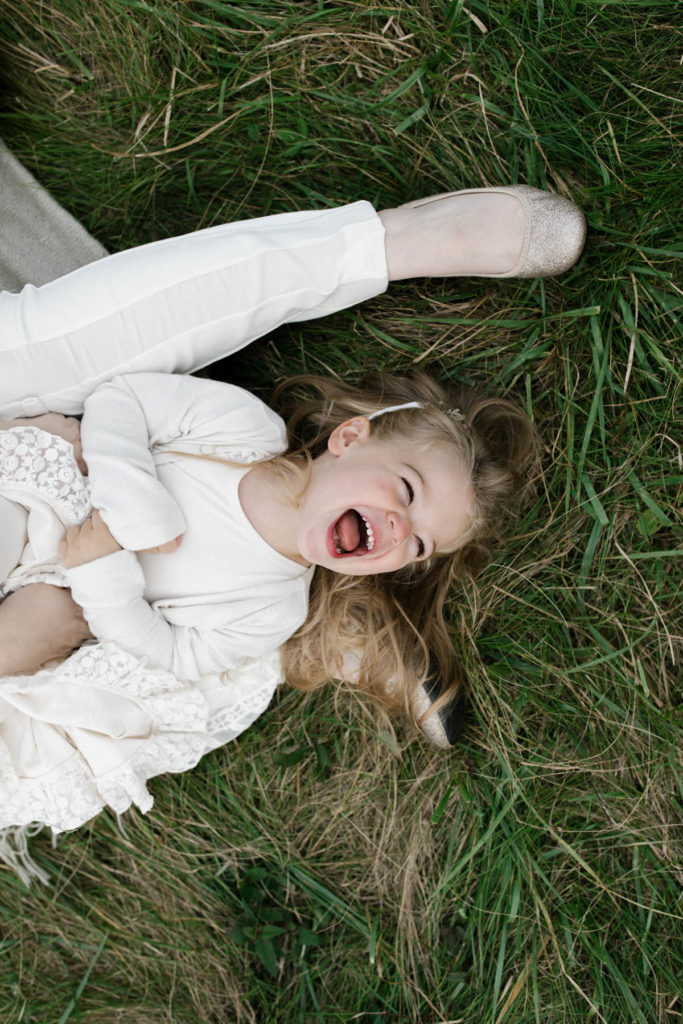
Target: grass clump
[[327, 867]]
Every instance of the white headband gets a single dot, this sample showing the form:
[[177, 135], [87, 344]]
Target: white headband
[[455, 413], [395, 408]]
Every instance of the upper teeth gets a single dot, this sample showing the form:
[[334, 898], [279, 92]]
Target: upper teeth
[[370, 533]]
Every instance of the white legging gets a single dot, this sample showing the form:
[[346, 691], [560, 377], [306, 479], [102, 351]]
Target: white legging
[[178, 304]]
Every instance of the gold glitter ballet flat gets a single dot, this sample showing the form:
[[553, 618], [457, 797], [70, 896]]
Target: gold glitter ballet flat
[[554, 230]]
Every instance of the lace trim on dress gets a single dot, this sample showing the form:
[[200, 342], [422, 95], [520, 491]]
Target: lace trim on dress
[[241, 696], [38, 469], [72, 792], [35, 462]]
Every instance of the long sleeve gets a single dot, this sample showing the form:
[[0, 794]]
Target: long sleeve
[[135, 416], [110, 591]]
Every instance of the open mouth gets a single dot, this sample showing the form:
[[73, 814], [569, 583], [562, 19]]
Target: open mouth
[[352, 534]]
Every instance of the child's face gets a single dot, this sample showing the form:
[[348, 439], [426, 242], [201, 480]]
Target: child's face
[[378, 505]]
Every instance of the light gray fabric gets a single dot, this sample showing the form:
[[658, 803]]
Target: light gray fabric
[[39, 240]]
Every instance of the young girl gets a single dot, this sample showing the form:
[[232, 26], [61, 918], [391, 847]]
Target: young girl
[[395, 487]]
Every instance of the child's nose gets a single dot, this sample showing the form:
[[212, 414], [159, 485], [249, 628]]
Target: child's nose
[[400, 527]]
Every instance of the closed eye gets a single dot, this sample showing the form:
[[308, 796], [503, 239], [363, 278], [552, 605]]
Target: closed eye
[[411, 494]]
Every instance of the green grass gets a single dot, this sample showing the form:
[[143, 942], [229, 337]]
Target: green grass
[[328, 866]]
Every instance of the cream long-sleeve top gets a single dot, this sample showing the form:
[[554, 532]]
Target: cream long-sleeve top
[[224, 594]]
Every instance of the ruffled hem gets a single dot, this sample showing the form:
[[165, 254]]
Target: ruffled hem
[[65, 792]]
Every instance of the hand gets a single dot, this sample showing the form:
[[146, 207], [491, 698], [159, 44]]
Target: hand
[[87, 542], [67, 427]]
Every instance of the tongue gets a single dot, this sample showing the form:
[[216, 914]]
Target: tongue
[[348, 531]]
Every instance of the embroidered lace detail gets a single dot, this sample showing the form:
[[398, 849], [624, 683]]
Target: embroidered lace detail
[[35, 462], [243, 695], [240, 456], [246, 456], [183, 730], [39, 470]]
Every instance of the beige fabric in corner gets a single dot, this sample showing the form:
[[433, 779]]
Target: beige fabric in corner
[[39, 240]]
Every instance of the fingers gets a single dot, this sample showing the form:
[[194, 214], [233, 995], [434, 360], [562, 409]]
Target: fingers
[[93, 539], [70, 537], [87, 542]]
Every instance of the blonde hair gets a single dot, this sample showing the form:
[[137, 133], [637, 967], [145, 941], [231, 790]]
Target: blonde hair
[[392, 627]]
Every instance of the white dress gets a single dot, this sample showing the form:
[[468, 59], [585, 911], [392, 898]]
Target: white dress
[[153, 694]]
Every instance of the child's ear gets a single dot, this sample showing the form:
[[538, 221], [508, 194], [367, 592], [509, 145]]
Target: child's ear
[[351, 432]]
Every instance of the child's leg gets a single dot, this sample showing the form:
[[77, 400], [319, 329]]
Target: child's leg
[[39, 623], [179, 304]]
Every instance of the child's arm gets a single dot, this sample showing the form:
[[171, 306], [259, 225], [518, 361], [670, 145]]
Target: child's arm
[[133, 417], [93, 539], [109, 585], [126, 423], [111, 591]]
